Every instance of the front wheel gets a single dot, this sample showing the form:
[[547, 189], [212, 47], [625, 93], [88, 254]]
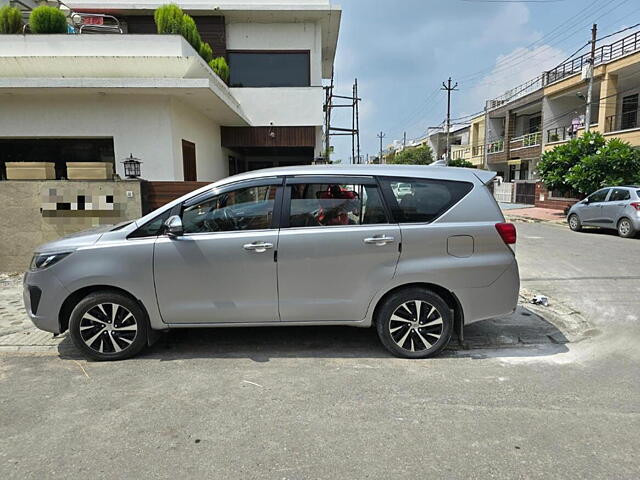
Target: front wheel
[[626, 228], [414, 323], [574, 223], [108, 326]]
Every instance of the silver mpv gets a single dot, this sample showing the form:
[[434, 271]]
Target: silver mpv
[[321, 245]]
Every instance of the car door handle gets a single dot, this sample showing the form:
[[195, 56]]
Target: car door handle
[[379, 240], [258, 247]]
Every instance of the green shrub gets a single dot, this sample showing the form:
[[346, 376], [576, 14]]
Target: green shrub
[[205, 52], [169, 19], [10, 20], [190, 32], [46, 19], [220, 67], [461, 162]]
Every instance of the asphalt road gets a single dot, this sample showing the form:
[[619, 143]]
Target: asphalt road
[[332, 404]]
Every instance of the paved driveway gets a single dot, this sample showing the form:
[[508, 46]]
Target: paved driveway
[[330, 403]]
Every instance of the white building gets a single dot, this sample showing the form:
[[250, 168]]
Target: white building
[[102, 97]]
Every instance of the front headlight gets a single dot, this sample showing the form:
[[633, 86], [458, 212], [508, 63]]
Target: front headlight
[[44, 260]]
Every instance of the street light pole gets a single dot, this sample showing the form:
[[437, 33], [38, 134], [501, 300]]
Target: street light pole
[[381, 136]]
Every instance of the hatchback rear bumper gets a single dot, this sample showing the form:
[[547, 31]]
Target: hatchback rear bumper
[[499, 298]]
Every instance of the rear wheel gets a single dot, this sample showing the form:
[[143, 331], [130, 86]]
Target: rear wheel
[[626, 228], [414, 323], [108, 326], [574, 223]]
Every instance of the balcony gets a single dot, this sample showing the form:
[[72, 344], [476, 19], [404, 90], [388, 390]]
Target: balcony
[[525, 141], [621, 122], [495, 147]]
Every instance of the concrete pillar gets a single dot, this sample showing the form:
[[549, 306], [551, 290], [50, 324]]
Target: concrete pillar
[[608, 103]]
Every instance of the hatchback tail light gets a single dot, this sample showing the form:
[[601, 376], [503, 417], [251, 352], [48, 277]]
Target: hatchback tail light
[[635, 205], [507, 231]]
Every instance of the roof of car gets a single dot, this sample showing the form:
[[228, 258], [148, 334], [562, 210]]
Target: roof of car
[[430, 171]]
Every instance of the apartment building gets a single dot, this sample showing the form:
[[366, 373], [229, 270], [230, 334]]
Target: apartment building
[[129, 91]]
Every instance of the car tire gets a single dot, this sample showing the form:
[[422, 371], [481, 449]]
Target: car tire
[[407, 335], [574, 223], [108, 326], [626, 228]]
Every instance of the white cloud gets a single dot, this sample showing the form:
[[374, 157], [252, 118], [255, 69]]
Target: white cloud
[[516, 68]]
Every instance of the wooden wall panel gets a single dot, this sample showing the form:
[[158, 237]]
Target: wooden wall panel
[[236, 137], [157, 194]]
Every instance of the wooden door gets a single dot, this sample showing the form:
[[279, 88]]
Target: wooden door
[[189, 161]]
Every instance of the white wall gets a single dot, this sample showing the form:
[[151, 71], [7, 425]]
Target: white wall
[[282, 106], [140, 125], [187, 124]]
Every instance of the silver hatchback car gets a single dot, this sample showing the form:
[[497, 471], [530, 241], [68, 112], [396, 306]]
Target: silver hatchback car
[[615, 208], [321, 245]]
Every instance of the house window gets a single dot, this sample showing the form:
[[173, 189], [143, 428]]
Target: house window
[[535, 124], [629, 112], [269, 69]]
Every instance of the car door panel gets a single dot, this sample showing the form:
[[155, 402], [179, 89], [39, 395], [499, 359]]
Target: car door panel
[[591, 213], [330, 273], [222, 270], [614, 208], [213, 278]]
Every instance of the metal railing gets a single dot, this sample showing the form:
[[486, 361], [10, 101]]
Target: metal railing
[[496, 147], [529, 139], [515, 93], [557, 134], [621, 121], [603, 54]]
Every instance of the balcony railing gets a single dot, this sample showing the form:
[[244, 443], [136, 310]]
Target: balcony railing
[[514, 93], [496, 147], [557, 134], [528, 140], [603, 54], [622, 121], [477, 150], [461, 153]]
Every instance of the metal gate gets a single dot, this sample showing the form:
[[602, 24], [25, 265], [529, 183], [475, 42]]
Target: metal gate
[[526, 193]]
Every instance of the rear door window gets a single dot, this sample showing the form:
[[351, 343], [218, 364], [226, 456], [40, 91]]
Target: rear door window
[[331, 204], [422, 200], [619, 194]]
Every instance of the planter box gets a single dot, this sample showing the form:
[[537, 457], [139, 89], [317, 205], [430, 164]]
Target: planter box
[[31, 171], [89, 170]]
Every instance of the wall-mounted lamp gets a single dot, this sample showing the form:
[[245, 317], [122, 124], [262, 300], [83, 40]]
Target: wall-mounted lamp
[[132, 167]]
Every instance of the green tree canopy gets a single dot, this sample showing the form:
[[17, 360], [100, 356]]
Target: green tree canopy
[[422, 155], [460, 162], [589, 162]]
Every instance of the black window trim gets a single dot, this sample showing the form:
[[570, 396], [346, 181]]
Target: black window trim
[[394, 207], [285, 212], [277, 52]]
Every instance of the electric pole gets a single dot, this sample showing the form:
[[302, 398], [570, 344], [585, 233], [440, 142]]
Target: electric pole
[[592, 61], [381, 136], [447, 86], [404, 140]]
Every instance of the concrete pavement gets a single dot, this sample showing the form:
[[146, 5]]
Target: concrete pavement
[[282, 404]]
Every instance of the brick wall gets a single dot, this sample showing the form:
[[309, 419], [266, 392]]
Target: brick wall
[[543, 201]]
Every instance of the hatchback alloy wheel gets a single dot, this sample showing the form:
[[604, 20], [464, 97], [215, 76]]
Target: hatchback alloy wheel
[[626, 229], [574, 223]]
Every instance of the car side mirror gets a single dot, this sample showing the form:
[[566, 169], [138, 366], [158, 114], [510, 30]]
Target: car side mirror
[[173, 226], [587, 201]]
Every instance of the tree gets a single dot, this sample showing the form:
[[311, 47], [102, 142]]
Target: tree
[[460, 162], [422, 155], [589, 162]]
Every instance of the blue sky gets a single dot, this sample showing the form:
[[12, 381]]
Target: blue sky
[[401, 51]]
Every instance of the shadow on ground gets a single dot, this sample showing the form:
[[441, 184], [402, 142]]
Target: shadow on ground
[[505, 337]]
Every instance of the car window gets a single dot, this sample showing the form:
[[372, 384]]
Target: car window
[[619, 194], [249, 208], [153, 227], [599, 196], [322, 204], [424, 200]]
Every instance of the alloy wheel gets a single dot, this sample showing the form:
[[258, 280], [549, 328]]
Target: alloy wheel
[[573, 222], [416, 326], [108, 328], [625, 227]]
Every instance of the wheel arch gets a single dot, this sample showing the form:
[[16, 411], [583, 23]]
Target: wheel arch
[[447, 295], [74, 298]]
